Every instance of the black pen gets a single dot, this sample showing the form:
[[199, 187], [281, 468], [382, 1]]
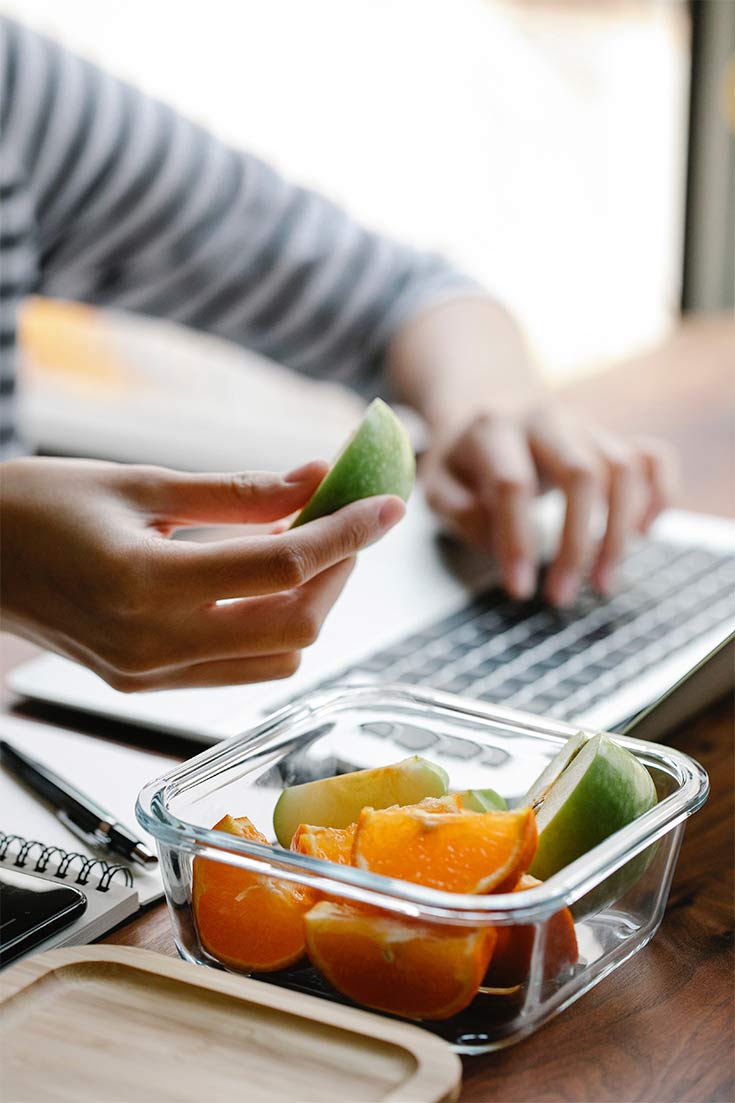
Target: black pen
[[82, 815]]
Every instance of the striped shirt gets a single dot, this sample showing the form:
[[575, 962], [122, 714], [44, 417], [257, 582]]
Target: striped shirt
[[110, 197]]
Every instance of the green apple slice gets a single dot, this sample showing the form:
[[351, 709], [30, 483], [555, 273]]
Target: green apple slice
[[338, 801], [482, 800], [551, 773], [603, 789], [378, 459]]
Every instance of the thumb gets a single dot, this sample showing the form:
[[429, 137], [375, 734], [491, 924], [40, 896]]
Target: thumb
[[184, 499]]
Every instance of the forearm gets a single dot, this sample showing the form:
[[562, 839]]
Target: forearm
[[461, 358]]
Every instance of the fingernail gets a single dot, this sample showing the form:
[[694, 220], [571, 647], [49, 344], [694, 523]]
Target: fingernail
[[565, 587], [390, 513], [521, 579], [301, 474]]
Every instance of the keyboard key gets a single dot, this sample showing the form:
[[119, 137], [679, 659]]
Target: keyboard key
[[457, 684], [412, 738], [380, 728], [459, 748], [508, 688], [540, 704], [377, 663], [425, 668], [487, 666], [494, 756]]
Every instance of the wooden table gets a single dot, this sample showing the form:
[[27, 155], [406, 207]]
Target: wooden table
[[663, 1027]]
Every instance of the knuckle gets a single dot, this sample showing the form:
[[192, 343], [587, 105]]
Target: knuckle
[[144, 483], [358, 532], [289, 567], [579, 474], [244, 487]]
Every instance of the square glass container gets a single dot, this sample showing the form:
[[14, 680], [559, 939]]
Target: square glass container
[[617, 891]]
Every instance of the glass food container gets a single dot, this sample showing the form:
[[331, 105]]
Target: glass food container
[[617, 891]]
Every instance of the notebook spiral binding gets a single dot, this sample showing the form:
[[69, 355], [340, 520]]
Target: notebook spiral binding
[[20, 852]]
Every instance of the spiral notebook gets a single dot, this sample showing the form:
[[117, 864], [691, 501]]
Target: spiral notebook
[[34, 840], [108, 888]]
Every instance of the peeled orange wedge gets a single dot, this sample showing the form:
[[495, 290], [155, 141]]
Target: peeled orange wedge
[[391, 964], [335, 844], [468, 852], [246, 920], [332, 844]]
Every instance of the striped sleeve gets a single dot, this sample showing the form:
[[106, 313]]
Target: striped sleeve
[[137, 207]]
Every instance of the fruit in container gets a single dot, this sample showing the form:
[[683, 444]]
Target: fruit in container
[[484, 800], [555, 768], [338, 801], [248, 920], [335, 844], [602, 789], [413, 969], [511, 960], [466, 852], [331, 844]]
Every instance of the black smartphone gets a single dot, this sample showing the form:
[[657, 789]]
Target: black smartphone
[[32, 909]]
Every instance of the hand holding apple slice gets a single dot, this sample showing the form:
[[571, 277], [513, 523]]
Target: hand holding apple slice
[[378, 459]]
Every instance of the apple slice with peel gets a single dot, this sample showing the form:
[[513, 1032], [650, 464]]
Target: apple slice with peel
[[338, 801], [482, 800], [551, 773], [602, 789], [378, 459]]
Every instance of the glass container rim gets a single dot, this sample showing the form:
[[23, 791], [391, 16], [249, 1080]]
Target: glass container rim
[[535, 904]]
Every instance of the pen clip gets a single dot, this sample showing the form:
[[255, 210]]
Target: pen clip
[[95, 839]]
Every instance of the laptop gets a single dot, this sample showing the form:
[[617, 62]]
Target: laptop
[[421, 610]]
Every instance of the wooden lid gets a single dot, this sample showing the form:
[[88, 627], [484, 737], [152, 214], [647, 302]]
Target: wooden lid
[[120, 1024]]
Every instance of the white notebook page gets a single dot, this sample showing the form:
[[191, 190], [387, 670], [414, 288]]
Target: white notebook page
[[112, 775]]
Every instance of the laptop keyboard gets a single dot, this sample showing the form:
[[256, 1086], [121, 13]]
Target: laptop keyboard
[[559, 663]]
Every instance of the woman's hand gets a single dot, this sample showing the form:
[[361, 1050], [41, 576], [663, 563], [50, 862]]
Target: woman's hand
[[498, 438], [88, 571], [483, 478]]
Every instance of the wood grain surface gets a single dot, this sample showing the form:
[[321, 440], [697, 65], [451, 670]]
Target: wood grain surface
[[662, 1027], [181, 1034]]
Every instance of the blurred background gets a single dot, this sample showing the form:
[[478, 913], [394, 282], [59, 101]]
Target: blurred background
[[543, 146]]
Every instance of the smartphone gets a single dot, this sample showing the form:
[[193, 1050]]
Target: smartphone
[[32, 909]]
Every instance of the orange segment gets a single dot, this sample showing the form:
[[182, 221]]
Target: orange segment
[[246, 920], [397, 965], [333, 844], [473, 852], [511, 961], [450, 803]]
